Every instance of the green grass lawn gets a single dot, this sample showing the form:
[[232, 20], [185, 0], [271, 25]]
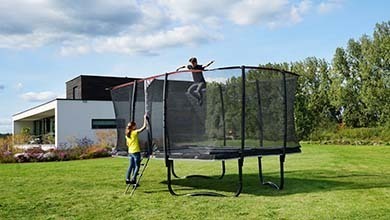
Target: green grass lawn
[[324, 182]]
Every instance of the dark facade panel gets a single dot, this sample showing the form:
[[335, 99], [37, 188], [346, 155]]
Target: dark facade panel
[[93, 87], [73, 88]]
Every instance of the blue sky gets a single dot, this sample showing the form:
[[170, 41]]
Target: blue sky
[[44, 43]]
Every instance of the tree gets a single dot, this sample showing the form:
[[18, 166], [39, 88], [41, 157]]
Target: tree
[[360, 79], [313, 106]]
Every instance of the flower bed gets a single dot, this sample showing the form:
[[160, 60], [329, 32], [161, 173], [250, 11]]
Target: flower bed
[[37, 154]]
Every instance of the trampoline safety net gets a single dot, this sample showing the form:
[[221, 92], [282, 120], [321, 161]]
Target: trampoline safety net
[[236, 110]]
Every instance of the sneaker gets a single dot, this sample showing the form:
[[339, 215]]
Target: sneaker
[[130, 181]]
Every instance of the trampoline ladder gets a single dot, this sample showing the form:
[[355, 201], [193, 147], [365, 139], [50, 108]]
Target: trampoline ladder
[[135, 186]]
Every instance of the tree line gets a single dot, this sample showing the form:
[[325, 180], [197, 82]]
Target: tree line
[[352, 91]]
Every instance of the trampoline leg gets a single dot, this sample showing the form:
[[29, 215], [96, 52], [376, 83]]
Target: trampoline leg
[[260, 170], [280, 186], [282, 159], [169, 170], [173, 170], [223, 170], [239, 189]]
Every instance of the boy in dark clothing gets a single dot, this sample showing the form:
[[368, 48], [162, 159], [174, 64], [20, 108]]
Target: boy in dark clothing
[[199, 82]]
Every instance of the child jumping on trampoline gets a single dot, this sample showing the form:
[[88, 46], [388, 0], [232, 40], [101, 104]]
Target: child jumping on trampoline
[[199, 82], [134, 150]]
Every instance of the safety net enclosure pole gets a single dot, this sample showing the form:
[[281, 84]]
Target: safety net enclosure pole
[[270, 116], [195, 116], [122, 101], [130, 104], [194, 119]]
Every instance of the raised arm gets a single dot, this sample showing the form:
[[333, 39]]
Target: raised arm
[[207, 65], [143, 126], [180, 67]]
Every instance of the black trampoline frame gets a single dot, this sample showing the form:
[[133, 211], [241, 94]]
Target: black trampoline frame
[[238, 153]]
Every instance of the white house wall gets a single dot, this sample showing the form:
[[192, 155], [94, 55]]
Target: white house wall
[[74, 119]]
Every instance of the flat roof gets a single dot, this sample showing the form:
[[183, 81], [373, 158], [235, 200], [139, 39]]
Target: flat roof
[[59, 99]]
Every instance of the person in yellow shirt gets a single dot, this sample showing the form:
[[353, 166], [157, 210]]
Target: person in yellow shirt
[[134, 150]]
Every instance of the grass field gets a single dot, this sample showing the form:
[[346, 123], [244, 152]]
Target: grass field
[[324, 182]]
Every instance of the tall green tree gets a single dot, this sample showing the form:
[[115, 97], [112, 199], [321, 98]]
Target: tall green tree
[[379, 72], [313, 108], [360, 79]]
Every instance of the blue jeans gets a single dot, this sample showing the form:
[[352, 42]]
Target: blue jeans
[[135, 162], [196, 89]]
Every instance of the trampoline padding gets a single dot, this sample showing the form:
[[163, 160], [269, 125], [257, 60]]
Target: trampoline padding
[[222, 153]]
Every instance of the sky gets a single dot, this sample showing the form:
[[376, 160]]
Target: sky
[[44, 43]]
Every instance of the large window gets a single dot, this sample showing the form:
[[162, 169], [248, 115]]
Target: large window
[[103, 123], [44, 126]]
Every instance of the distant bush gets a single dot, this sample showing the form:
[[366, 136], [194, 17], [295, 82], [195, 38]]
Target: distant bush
[[95, 152], [79, 148], [6, 150], [356, 136], [106, 138], [7, 157]]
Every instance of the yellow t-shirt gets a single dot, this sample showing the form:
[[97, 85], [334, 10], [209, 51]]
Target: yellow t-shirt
[[133, 143]]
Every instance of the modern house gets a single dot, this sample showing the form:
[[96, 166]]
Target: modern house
[[86, 110]]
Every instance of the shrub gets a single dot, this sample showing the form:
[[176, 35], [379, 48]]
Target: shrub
[[95, 152], [7, 157], [357, 136], [6, 150], [35, 154], [85, 150], [23, 138], [84, 142], [50, 156], [38, 155], [106, 138]]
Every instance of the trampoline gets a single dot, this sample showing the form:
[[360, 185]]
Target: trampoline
[[239, 112]]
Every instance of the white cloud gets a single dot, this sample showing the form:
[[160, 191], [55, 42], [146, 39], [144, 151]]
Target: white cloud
[[38, 96], [33, 23], [77, 49], [297, 12], [330, 5], [196, 12], [147, 44], [249, 12], [131, 27], [28, 40], [277, 13], [239, 12]]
